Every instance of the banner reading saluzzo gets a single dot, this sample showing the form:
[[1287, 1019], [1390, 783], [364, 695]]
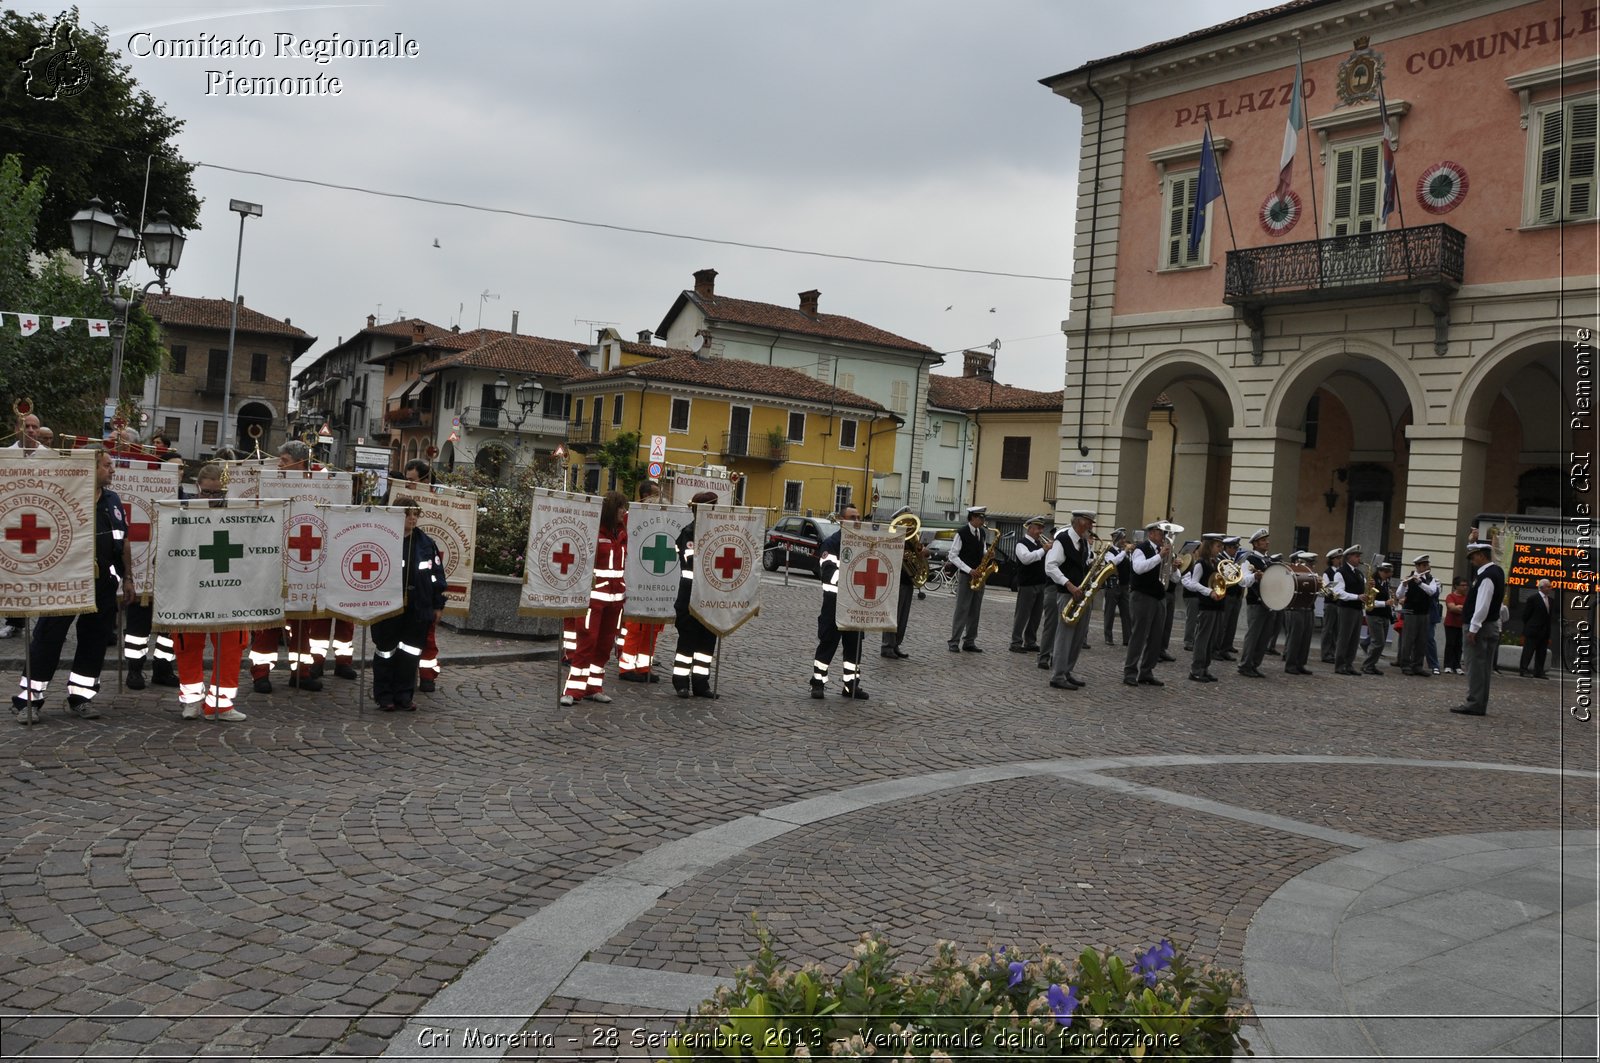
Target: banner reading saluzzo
[[450, 519], [363, 579], [559, 562], [219, 566], [140, 484], [46, 534], [727, 566], [306, 534], [652, 570], [870, 556]]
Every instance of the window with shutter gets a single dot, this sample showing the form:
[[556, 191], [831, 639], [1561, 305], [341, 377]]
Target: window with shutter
[[1014, 454], [1357, 189], [1178, 199], [1564, 172]]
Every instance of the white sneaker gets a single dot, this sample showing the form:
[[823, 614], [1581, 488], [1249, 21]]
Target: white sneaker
[[604, 699], [566, 699], [232, 716], [1436, 671], [191, 712]]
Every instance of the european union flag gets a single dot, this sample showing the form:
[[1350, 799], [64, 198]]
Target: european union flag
[[1208, 188]]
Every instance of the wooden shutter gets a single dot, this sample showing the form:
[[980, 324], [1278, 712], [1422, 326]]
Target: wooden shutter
[[1181, 194], [1357, 186], [1580, 153], [1549, 173]]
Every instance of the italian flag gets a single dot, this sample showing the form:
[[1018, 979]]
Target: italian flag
[[1291, 129]]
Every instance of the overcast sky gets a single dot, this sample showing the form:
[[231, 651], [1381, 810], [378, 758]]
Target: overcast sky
[[913, 130]]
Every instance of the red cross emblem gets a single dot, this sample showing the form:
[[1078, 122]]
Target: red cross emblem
[[869, 579], [30, 533], [305, 542], [564, 557], [30, 324], [138, 531], [98, 327], [365, 567], [728, 562]]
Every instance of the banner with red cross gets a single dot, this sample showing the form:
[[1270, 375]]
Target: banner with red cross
[[219, 564], [870, 556], [727, 565], [46, 534], [363, 570], [140, 484], [450, 519], [305, 535], [558, 565], [652, 568]]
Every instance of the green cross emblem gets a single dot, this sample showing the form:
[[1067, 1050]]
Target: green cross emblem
[[221, 552], [659, 554]]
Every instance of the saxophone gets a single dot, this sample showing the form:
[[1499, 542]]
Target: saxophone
[[988, 566], [1369, 597], [1094, 579]]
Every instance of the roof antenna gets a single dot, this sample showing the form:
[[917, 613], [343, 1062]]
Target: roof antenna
[[483, 298]]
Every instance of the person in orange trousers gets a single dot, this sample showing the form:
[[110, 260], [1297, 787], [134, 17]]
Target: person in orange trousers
[[636, 641], [227, 647]]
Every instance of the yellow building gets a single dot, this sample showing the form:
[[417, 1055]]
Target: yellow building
[[799, 445]]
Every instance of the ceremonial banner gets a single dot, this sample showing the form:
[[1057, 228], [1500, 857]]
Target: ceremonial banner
[[219, 564], [870, 556], [363, 570], [727, 565], [559, 563], [683, 486], [244, 477], [140, 483], [305, 535], [450, 517], [46, 534], [652, 568]]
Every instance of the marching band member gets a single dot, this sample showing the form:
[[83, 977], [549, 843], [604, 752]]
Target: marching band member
[[1297, 626], [113, 565], [1379, 619], [1210, 609], [1147, 593], [301, 634], [397, 640], [828, 633], [1348, 586], [636, 639], [1330, 623], [597, 631], [1115, 589], [227, 647], [1031, 583], [1419, 593], [1482, 621], [1067, 565], [1233, 602], [892, 640], [697, 645], [971, 545], [1052, 613], [1261, 622]]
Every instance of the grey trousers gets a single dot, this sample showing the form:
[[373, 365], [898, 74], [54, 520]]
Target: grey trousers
[[1261, 628], [1051, 621], [1069, 642], [1330, 631], [892, 639], [1172, 614], [969, 605], [1206, 623], [1117, 606], [1230, 631], [1191, 606], [1348, 637], [1296, 637], [1414, 643], [1480, 656], [1025, 621], [1148, 617], [1377, 639]]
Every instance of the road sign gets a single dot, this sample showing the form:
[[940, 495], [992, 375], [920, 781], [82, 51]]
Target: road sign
[[655, 470], [658, 450]]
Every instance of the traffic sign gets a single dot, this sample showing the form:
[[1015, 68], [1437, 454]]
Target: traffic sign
[[658, 450], [655, 470]]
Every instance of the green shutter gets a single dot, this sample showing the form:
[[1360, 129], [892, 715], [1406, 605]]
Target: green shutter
[[1581, 161], [1549, 175]]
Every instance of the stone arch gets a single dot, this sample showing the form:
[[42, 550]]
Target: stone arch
[[1489, 375], [1286, 402], [253, 413]]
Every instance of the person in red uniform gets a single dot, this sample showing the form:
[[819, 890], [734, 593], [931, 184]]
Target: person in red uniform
[[598, 628], [197, 698], [300, 633], [636, 641]]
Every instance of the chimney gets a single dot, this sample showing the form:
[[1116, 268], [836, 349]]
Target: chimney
[[808, 302], [705, 283], [241, 300], [979, 364], [514, 314], [645, 336], [456, 328], [372, 321], [417, 332]]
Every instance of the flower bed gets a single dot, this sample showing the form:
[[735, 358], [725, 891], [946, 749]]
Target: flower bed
[[998, 1005]]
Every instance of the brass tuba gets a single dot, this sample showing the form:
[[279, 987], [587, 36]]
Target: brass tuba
[[916, 563], [1099, 571]]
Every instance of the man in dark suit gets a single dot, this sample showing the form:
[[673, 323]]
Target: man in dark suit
[[1537, 612]]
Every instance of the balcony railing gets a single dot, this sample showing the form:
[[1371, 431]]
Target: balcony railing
[[587, 435], [407, 417], [736, 445], [1050, 486], [504, 419], [214, 387], [1428, 259]]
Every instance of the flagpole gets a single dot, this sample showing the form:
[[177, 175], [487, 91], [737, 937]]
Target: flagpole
[[1311, 162], [1392, 169], [1222, 187]]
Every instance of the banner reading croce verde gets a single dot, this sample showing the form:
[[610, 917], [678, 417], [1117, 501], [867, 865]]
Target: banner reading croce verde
[[219, 564], [652, 570]]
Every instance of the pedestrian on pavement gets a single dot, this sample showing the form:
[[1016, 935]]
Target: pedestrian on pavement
[[828, 634], [196, 698], [397, 640], [113, 567], [1537, 615], [416, 471], [596, 631], [696, 652], [1030, 552], [970, 547], [305, 648], [636, 639], [893, 641], [1455, 604], [1485, 599]]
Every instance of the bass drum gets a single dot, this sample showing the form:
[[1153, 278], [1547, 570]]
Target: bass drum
[[1289, 587]]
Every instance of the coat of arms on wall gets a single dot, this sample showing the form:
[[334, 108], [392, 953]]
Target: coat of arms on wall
[[1358, 76]]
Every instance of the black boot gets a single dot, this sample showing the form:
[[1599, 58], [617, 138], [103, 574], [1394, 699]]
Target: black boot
[[135, 678], [162, 674]]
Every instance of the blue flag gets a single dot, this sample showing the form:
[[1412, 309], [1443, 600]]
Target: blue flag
[[1209, 187]]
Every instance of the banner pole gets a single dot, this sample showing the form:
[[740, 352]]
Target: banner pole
[[27, 665], [361, 675], [716, 667], [122, 660]]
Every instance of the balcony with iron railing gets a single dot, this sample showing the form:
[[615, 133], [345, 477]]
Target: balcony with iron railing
[[213, 388], [583, 436], [504, 419], [1428, 261], [737, 445], [407, 417]]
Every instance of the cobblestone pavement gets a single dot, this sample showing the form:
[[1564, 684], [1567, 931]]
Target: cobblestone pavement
[[307, 880]]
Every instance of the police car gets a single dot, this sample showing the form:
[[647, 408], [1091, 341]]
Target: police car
[[795, 542]]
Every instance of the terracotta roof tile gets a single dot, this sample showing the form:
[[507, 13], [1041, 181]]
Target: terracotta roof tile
[[514, 354], [191, 312], [975, 394], [1265, 15], [792, 319], [406, 327], [751, 378]]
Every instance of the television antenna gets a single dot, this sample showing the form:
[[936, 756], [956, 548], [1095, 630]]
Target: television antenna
[[483, 298], [594, 326]]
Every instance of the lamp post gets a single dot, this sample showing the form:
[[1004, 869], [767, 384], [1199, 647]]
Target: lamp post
[[527, 395], [106, 240], [244, 210]]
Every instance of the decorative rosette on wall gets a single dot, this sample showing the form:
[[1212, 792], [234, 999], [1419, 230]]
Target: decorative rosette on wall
[[1279, 213], [1442, 187]]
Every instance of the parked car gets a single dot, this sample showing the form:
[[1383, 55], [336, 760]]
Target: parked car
[[939, 543], [796, 542]]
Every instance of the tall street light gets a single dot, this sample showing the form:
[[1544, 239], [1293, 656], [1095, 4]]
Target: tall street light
[[108, 245], [244, 210]]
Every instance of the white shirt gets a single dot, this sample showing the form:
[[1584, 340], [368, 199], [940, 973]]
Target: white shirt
[[1192, 580], [1480, 604], [1052, 562], [1028, 556], [1143, 564]]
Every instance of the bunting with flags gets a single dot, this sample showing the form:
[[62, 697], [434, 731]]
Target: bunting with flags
[[28, 324]]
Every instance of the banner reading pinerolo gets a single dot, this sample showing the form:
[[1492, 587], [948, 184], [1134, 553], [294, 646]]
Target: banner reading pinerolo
[[450, 518], [46, 534], [305, 490], [727, 565], [363, 567], [219, 564], [559, 562], [870, 556], [140, 484], [652, 569]]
